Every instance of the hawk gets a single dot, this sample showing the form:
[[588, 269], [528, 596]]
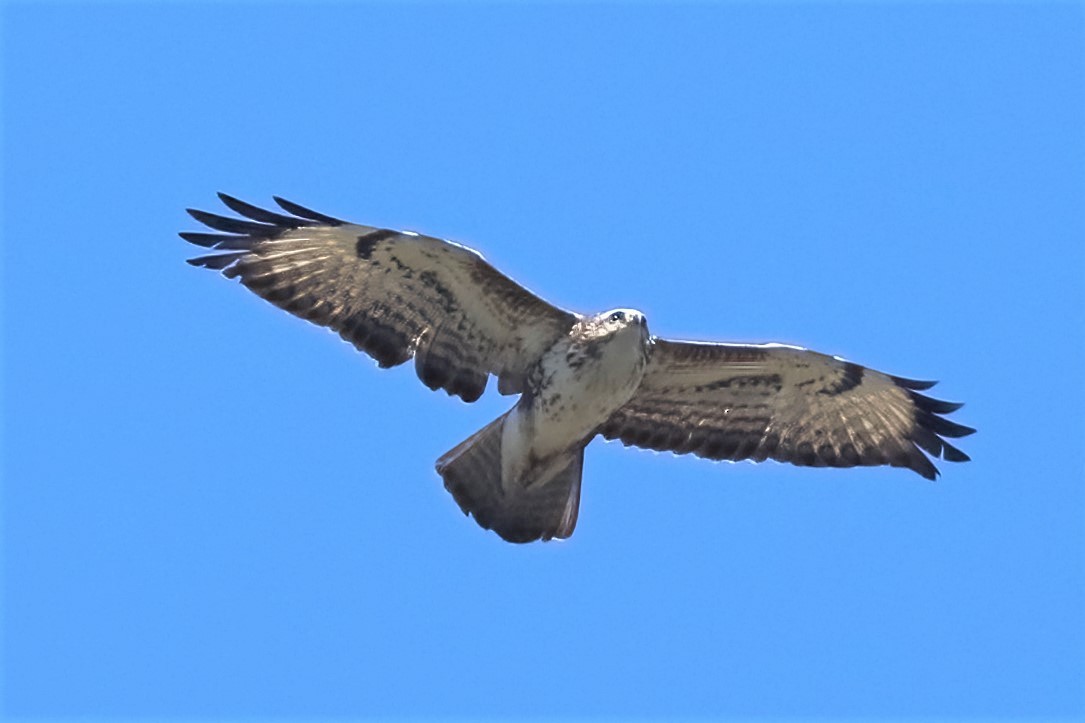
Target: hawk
[[398, 295]]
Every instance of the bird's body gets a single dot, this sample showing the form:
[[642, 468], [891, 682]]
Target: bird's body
[[579, 383], [398, 295]]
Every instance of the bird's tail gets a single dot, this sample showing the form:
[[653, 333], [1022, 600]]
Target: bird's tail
[[543, 509]]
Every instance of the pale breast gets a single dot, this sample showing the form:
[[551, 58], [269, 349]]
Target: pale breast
[[580, 384]]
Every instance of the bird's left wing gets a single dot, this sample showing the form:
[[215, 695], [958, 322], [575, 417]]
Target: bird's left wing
[[770, 401], [394, 295]]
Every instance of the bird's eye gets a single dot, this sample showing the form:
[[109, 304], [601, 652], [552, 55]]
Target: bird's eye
[[617, 316]]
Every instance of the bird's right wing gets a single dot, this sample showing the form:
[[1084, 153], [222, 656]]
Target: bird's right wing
[[391, 294]]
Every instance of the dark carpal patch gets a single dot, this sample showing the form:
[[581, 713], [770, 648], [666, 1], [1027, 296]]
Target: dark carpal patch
[[851, 376], [367, 242]]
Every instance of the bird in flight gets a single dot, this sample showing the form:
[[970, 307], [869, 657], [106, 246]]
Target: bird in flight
[[398, 295]]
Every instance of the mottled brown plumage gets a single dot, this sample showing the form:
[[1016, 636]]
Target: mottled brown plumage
[[397, 295], [758, 402], [392, 295]]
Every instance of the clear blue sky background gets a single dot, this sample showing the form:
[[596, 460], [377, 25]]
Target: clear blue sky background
[[212, 509]]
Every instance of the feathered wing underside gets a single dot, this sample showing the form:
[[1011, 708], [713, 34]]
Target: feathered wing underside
[[392, 294], [758, 402]]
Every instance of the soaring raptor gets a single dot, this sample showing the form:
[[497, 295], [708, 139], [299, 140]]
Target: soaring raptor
[[397, 295]]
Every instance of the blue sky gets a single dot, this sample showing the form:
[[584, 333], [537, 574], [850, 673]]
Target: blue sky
[[214, 510]]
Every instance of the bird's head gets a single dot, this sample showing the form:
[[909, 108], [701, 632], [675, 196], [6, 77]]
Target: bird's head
[[621, 322]]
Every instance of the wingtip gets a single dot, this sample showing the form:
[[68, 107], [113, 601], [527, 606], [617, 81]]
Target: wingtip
[[298, 210], [921, 465], [952, 454], [918, 385], [206, 240], [203, 216], [936, 406], [216, 262], [228, 200]]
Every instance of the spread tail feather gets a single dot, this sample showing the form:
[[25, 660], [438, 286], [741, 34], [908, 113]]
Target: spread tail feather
[[517, 512]]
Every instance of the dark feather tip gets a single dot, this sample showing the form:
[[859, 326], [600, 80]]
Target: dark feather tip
[[934, 405], [926, 468], [259, 214], [943, 427], [233, 225], [913, 384], [220, 242], [207, 240], [952, 454], [216, 262], [303, 212]]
